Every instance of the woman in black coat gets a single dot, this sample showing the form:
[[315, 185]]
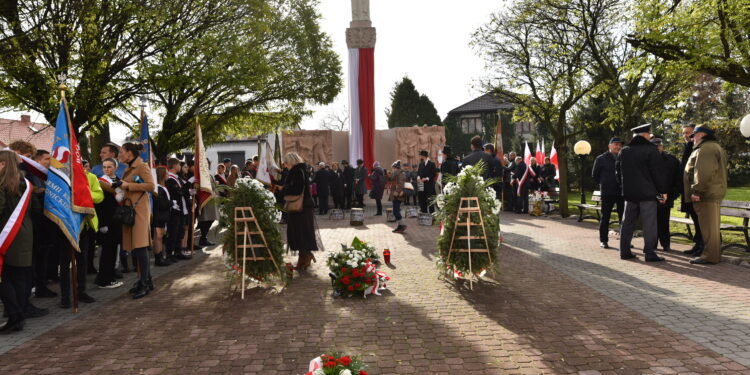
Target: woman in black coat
[[300, 232], [378, 186], [162, 215], [536, 182]]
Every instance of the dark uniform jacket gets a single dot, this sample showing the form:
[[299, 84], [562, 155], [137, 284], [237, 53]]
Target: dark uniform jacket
[[670, 176], [449, 167], [687, 149], [475, 157], [348, 177], [519, 171], [637, 170], [337, 183], [19, 253], [428, 170], [548, 175], [323, 181], [604, 173]]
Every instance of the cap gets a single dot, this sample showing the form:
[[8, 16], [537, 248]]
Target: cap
[[489, 146], [345, 162], [447, 150], [645, 128], [615, 140], [656, 141], [703, 129], [423, 153], [226, 160]]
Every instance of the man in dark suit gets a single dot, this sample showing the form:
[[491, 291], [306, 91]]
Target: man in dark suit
[[686, 205], [478, 155], [671, 177], [323, 182], [426, 175], [496, 169], [611, 191], [637, 171], [510, 194], [521, 180], [348, 184]]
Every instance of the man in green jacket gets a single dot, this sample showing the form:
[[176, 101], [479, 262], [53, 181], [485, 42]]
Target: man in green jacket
[[705, 181]]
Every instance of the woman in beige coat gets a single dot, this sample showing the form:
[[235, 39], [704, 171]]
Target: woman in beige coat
[[137, 182], [398, 179]]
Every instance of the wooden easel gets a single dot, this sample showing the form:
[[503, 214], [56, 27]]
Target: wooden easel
[[466, 207], [246, 226]]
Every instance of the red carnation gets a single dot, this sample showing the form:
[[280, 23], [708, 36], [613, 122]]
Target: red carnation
[[350, 288], [362, 372], [344, 269], [345, 280], [345, 361], [330, 364], [355, 273], [357, 285]]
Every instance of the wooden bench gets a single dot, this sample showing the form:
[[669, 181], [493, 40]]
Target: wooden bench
[[597, 199], [738, 209]]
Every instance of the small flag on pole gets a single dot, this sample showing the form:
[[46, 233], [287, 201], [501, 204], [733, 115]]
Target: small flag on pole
[[147, 155], [527, 154], [553, 161], [539, 157]]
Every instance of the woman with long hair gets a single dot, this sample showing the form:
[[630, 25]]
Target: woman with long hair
[[234, 174], [137, 182], [110, 232], [162, 211], [16, 207], [300, 233]]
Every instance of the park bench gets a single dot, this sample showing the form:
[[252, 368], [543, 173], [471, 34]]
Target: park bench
[[738, 209], [596, 198]]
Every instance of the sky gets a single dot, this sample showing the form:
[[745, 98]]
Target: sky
[[426, 40]]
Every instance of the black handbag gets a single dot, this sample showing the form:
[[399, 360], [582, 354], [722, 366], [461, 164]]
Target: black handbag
[[125, 214]]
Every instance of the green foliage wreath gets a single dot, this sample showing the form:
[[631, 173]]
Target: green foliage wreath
[[468, 183], [252, 193]]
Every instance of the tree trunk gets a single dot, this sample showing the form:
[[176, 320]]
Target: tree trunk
[[97, 142], [561, 146]]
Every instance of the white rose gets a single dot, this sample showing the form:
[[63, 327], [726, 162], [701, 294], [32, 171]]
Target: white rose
[[319, 372], [345, 372]]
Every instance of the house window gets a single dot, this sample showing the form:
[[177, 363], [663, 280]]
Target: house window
[[524, 127], [471, 125]]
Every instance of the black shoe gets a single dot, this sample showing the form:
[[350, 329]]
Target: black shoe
[[12, 326], [172, 259], [92, 271], [689, 252], [34, 312], [118, 274], [629, 256], [135, 287], [85, 298], [160, 262], [125, 270], [141, 291], [654, 258], [604, 245], [667, 249], [206, 242], [65, 304], [44, 292], [182, 256], [699, 261]]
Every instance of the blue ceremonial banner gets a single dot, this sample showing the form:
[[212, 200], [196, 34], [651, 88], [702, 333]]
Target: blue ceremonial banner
[[146, 153], [67, 197]]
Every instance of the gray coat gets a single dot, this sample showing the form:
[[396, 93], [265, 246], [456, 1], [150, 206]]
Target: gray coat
[[210, 212], [360, 174]]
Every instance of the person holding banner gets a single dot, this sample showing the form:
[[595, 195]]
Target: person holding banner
[[16, 241], [137, 182]]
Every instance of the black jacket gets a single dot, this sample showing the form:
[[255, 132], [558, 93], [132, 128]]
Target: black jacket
[[519, 171], [348, 178], [548, 175], [337, 183], [536, 182], [687, 149], [604, 174], [176, 196], [475, 157], [449, 167], [162, 205], [669, 176], [637, 170], [428, 170], [296, 183], [323, 181]]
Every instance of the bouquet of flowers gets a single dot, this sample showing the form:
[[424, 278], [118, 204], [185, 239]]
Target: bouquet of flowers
[[336, 364], [536, 200], [354, 270], [468, 183], [252, 193]]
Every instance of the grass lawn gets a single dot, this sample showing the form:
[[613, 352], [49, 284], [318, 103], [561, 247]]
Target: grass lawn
[[733, 194]]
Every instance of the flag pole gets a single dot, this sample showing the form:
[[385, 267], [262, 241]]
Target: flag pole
[[73, 264], [191, 228]]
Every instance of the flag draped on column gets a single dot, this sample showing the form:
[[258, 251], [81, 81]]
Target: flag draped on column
[[362, 105]]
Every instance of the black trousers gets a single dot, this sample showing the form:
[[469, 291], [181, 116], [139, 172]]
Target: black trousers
[[338, 201], [510, 198], [424, 202], [15, 289], [348, 197], [379, 206], [522, 201], [80, 258], [144, 267], [662, 225], [608, 202], [322, 203], [108, 256], [41, 251], [697, 237], [360, 200], [175, 232], [205, 227], [90, 251]]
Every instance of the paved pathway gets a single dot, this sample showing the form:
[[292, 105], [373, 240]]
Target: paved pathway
[[557, 305]]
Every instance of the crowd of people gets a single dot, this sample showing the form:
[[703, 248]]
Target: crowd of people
[[644, 182], [40, 253]]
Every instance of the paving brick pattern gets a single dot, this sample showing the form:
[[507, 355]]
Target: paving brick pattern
[[709, 304], [530, 319]]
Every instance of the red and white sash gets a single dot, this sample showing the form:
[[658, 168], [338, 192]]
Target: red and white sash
[[107, 179], [174, 177], [34, 167], [523, 179], [166, 191], [13, 225], [222, 179]]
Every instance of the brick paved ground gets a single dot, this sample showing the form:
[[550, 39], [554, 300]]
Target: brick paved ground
[[557, 305]]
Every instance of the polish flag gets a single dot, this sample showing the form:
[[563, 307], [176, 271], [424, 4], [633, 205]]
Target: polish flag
[[527, 154], [553, 161], [544, 152], [539, 157]]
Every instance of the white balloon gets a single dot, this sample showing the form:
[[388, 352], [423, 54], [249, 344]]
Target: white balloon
[[745, 126]]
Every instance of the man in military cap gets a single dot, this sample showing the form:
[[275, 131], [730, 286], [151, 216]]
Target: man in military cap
[[637, 170], [604, 173], [671, 177]]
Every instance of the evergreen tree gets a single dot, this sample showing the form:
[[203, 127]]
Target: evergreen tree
[[409, 108]]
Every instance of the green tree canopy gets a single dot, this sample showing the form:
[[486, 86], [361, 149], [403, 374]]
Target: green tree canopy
[[409, 107]]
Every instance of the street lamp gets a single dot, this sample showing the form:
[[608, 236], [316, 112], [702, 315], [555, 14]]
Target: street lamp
[[582, 149], [745, 126]]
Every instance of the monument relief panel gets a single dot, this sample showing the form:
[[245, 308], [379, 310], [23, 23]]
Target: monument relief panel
[[313, 145]]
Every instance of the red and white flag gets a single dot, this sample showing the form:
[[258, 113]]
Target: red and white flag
[[202, 176], [527, 154], [539, 157], [553, 161]]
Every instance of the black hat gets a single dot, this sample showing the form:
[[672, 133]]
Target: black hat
[[703, 129], [645, 128], [344, 162], [615, 140], [396, 164], [360, 162], [656, 141], [226, 160], [447, 150], [424, 153]]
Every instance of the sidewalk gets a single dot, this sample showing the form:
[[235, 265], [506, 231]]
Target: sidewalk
[[559, 304]]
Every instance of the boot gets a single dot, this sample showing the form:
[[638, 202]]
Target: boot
[[182, 256], [141, 291], [124, 263], [14, 324], [159, 260]]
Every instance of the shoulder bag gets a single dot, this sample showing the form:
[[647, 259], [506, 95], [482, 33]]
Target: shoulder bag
[[125, 214]]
